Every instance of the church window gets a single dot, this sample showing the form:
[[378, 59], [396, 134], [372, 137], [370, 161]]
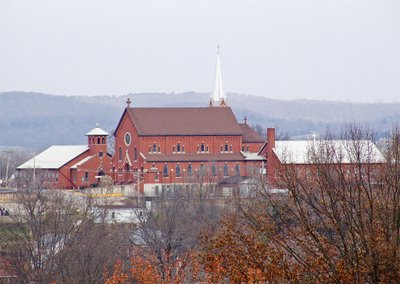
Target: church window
[[222, 148], [159, 149], [226, 147], [207, 148], [86, 176], [165, 171], [74, 177], [173, 149], [230, 149], [214, 170], [178, 170], [135, 154], [178, 147], [202, 170], [127, 139], [56, 177], [104, 140], [154, 148], [202, 147], [226, 170], [120, 154], [190, 173], [98, 140], [183, 148], [237, 170]]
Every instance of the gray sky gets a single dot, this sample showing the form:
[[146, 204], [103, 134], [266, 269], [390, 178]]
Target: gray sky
[[345, 50]]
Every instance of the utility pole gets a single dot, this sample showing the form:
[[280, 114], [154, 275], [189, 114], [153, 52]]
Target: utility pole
[[34, 170], [8, 163]]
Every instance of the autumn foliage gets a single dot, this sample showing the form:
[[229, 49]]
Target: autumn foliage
[[337, 223]]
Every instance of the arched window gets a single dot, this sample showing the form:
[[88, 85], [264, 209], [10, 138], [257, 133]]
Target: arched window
[[190, 173], [230, 149], [226, 170], [202, 147], [98, 140], [226, 147], [120, 153], [135, 154], [165, 170], [103, 141], [178, 147], [178, 170], [159, 149], [214, 170], [207, 148], [202, 170], [237, 170], [154, 148], [183, 148]]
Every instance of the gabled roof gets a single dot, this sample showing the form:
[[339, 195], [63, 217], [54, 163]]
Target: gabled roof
[[252, 156], [97, 132], [250, 135], [199, 121], [340, 151], [55, 157], [81, 162]]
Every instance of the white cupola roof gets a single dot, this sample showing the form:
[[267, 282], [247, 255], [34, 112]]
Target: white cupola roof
[[97, 131]]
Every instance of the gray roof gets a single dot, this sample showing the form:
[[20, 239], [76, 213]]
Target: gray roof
[[340, 151], [54, 157]]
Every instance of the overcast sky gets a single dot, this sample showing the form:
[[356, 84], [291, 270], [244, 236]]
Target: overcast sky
[[346, 50]]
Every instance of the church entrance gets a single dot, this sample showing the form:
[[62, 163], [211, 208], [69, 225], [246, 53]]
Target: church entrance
[[127, 173]]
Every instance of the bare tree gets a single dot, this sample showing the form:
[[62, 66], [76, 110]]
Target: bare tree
[[337, 223], [57, 237], [167, 237]]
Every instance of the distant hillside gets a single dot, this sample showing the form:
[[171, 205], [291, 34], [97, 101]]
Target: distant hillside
[[38, 120]]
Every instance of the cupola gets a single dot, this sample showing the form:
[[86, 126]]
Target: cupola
[[97, 140]]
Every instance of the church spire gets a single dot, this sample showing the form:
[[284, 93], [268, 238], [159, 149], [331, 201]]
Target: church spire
[[217, 97]]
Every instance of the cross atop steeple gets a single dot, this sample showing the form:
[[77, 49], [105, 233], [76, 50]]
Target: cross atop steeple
[[314, 136], [217, 97], [245, 120], [128, 102]]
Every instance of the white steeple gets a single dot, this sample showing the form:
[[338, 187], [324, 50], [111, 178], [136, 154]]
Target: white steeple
[[217, 98]]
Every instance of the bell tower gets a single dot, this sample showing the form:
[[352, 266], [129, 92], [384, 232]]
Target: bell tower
[[97, 141]]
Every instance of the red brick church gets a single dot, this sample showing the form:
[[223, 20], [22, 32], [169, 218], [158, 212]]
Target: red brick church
[[172, 146], [169, 147]]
